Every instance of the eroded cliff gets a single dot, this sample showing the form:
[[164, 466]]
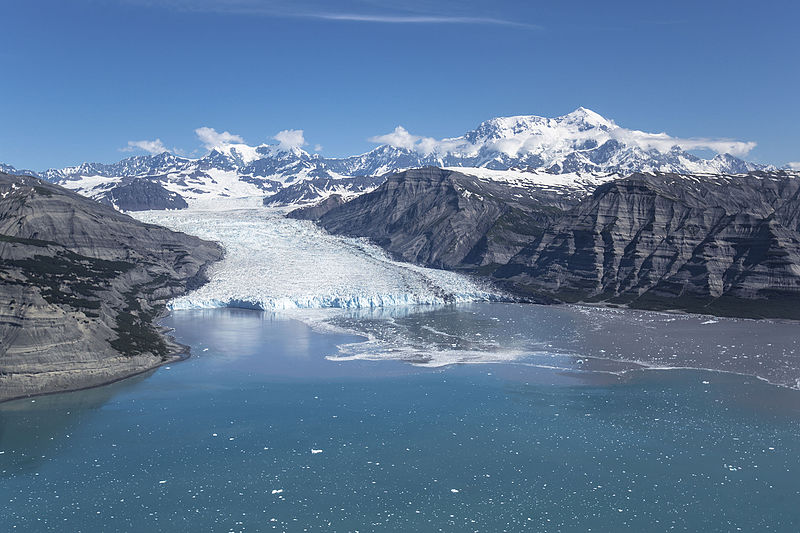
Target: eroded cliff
[[727, 245], [80, 288]]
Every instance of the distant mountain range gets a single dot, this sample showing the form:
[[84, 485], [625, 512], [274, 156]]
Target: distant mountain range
[[581, 144]]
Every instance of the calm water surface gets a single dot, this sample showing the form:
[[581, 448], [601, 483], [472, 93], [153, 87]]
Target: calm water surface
[[259, 431]]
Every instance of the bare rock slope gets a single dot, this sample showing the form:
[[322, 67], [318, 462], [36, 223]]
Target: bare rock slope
[[80, 288], [446, 219], [718, 244], [727, 245]]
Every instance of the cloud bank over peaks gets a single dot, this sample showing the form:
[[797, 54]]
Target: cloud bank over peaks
[[288, 139], [664, 143], [401, 138], [211, 138], [530, 134], [154, 147]]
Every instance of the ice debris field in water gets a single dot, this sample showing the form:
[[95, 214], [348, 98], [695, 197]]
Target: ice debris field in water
[[274, 263]]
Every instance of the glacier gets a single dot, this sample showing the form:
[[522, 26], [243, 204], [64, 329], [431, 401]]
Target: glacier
[[273, 263]]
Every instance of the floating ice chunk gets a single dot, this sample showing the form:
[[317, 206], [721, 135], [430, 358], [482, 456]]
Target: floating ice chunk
[[313, 451], [454, 491], [277, 491]]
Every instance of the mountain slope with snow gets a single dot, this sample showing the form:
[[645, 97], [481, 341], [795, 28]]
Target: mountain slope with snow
[[581, 143]]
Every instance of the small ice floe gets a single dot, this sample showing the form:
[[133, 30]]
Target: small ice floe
[[454, 491], [314, 451], [162, 481], [205, 349], [213, 434], [167, 368], [706, 382], [708, 322], [277, 491]]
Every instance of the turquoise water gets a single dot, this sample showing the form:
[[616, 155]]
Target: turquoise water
[[259, 432]]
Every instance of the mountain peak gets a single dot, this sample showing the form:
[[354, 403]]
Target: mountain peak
[[586, 116]]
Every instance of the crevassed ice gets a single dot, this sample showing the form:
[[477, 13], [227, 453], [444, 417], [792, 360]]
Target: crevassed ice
[[274, 263]]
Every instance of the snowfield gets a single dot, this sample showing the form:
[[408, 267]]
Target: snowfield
[[274, 264]]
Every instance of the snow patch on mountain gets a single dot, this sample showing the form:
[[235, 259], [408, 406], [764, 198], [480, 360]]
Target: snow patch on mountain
[[538, 179]]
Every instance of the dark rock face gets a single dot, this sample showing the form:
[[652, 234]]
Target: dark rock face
[[80, 288], [312, 189], [727, 245], [142, 195], [316, 211], [447, 219]]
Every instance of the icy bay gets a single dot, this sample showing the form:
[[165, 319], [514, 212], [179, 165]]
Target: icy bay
[[336, 409], [260, 432]]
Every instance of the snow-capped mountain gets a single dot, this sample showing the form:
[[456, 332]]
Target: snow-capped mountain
[[581, 141], [574, 146]]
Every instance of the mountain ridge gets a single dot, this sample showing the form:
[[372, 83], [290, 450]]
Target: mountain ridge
[[579, 142]]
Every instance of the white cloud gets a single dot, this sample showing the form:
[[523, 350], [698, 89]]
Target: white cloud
[[383, 12], [535, 141], [421, 19], [152, 147], [211, 138], [663, 142], [399, 138], [288, 139], [794, 165]]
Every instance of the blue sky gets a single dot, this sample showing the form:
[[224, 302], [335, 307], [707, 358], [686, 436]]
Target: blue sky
[[83, 78]]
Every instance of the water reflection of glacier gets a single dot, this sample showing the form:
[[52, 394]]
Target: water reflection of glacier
[[273, 263]]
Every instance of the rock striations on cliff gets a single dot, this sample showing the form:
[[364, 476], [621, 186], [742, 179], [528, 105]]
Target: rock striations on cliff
[[726, 245], [718, 244], [80, 288], [445, 219]]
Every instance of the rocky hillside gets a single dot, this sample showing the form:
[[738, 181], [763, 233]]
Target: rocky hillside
[[80, 288], [719, 244], [446, 219], [726, 245], [141, 195]]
